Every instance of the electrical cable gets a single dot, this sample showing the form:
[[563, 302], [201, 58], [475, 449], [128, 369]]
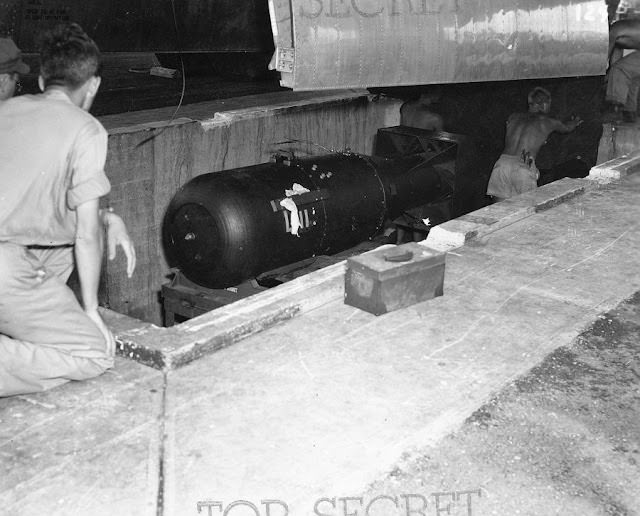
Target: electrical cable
[[309, 142], [184, 80]]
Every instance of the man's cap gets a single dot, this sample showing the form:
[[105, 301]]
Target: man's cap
[[11, 58]]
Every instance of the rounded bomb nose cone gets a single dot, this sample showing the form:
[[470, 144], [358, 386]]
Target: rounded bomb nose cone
[[195, 229], [203, 234]]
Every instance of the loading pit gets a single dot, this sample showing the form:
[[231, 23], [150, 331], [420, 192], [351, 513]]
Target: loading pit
[[233, 233], [150, 160]]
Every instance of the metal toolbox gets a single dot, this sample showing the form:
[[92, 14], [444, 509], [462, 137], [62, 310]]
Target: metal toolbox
[[389, 279]]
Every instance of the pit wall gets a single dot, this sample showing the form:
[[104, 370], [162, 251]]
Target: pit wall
[[152, 153]]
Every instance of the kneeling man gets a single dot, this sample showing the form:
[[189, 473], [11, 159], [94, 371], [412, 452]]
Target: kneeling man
[[52, 157]]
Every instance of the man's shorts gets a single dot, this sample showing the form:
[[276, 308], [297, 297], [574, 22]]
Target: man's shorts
[[511, 176]]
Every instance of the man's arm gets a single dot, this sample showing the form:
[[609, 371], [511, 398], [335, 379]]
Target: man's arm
[[566, 127], [88, 253]]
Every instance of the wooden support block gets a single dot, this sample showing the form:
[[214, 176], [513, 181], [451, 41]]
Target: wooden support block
[[457, 232], [616, 169], [389, 279], [451, 234]]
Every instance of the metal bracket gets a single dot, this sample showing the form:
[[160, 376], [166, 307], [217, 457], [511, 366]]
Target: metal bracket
[[285, 59]]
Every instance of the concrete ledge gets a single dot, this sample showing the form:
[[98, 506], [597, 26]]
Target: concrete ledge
[[552, 194], [457, 232], [616, 169], [169, 348]]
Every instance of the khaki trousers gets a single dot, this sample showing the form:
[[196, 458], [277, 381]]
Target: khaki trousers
[[46, 339], [623, 81]]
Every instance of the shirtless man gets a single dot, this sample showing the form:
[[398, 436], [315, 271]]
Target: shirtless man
[[623, 74], [418, 113], [515, 171]]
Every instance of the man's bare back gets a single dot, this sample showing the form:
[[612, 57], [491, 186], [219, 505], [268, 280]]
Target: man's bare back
[[527, 132], [515, 172], [415, 115], [418, 113]]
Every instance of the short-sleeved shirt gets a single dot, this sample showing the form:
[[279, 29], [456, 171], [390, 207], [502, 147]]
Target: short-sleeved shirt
[[52, 157]]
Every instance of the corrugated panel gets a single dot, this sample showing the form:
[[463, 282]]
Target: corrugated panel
[[365, 43]]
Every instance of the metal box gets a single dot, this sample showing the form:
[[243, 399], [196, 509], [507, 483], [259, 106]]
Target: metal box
[[389, 279]]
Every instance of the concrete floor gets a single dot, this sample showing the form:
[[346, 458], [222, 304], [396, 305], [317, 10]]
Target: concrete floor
[[562, 440], [326, 403]]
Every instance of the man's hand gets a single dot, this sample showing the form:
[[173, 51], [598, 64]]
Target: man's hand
[[106, 332], [117, 235], [576, 121]]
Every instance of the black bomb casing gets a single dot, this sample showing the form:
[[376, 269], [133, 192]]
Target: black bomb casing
[[223, 228]]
